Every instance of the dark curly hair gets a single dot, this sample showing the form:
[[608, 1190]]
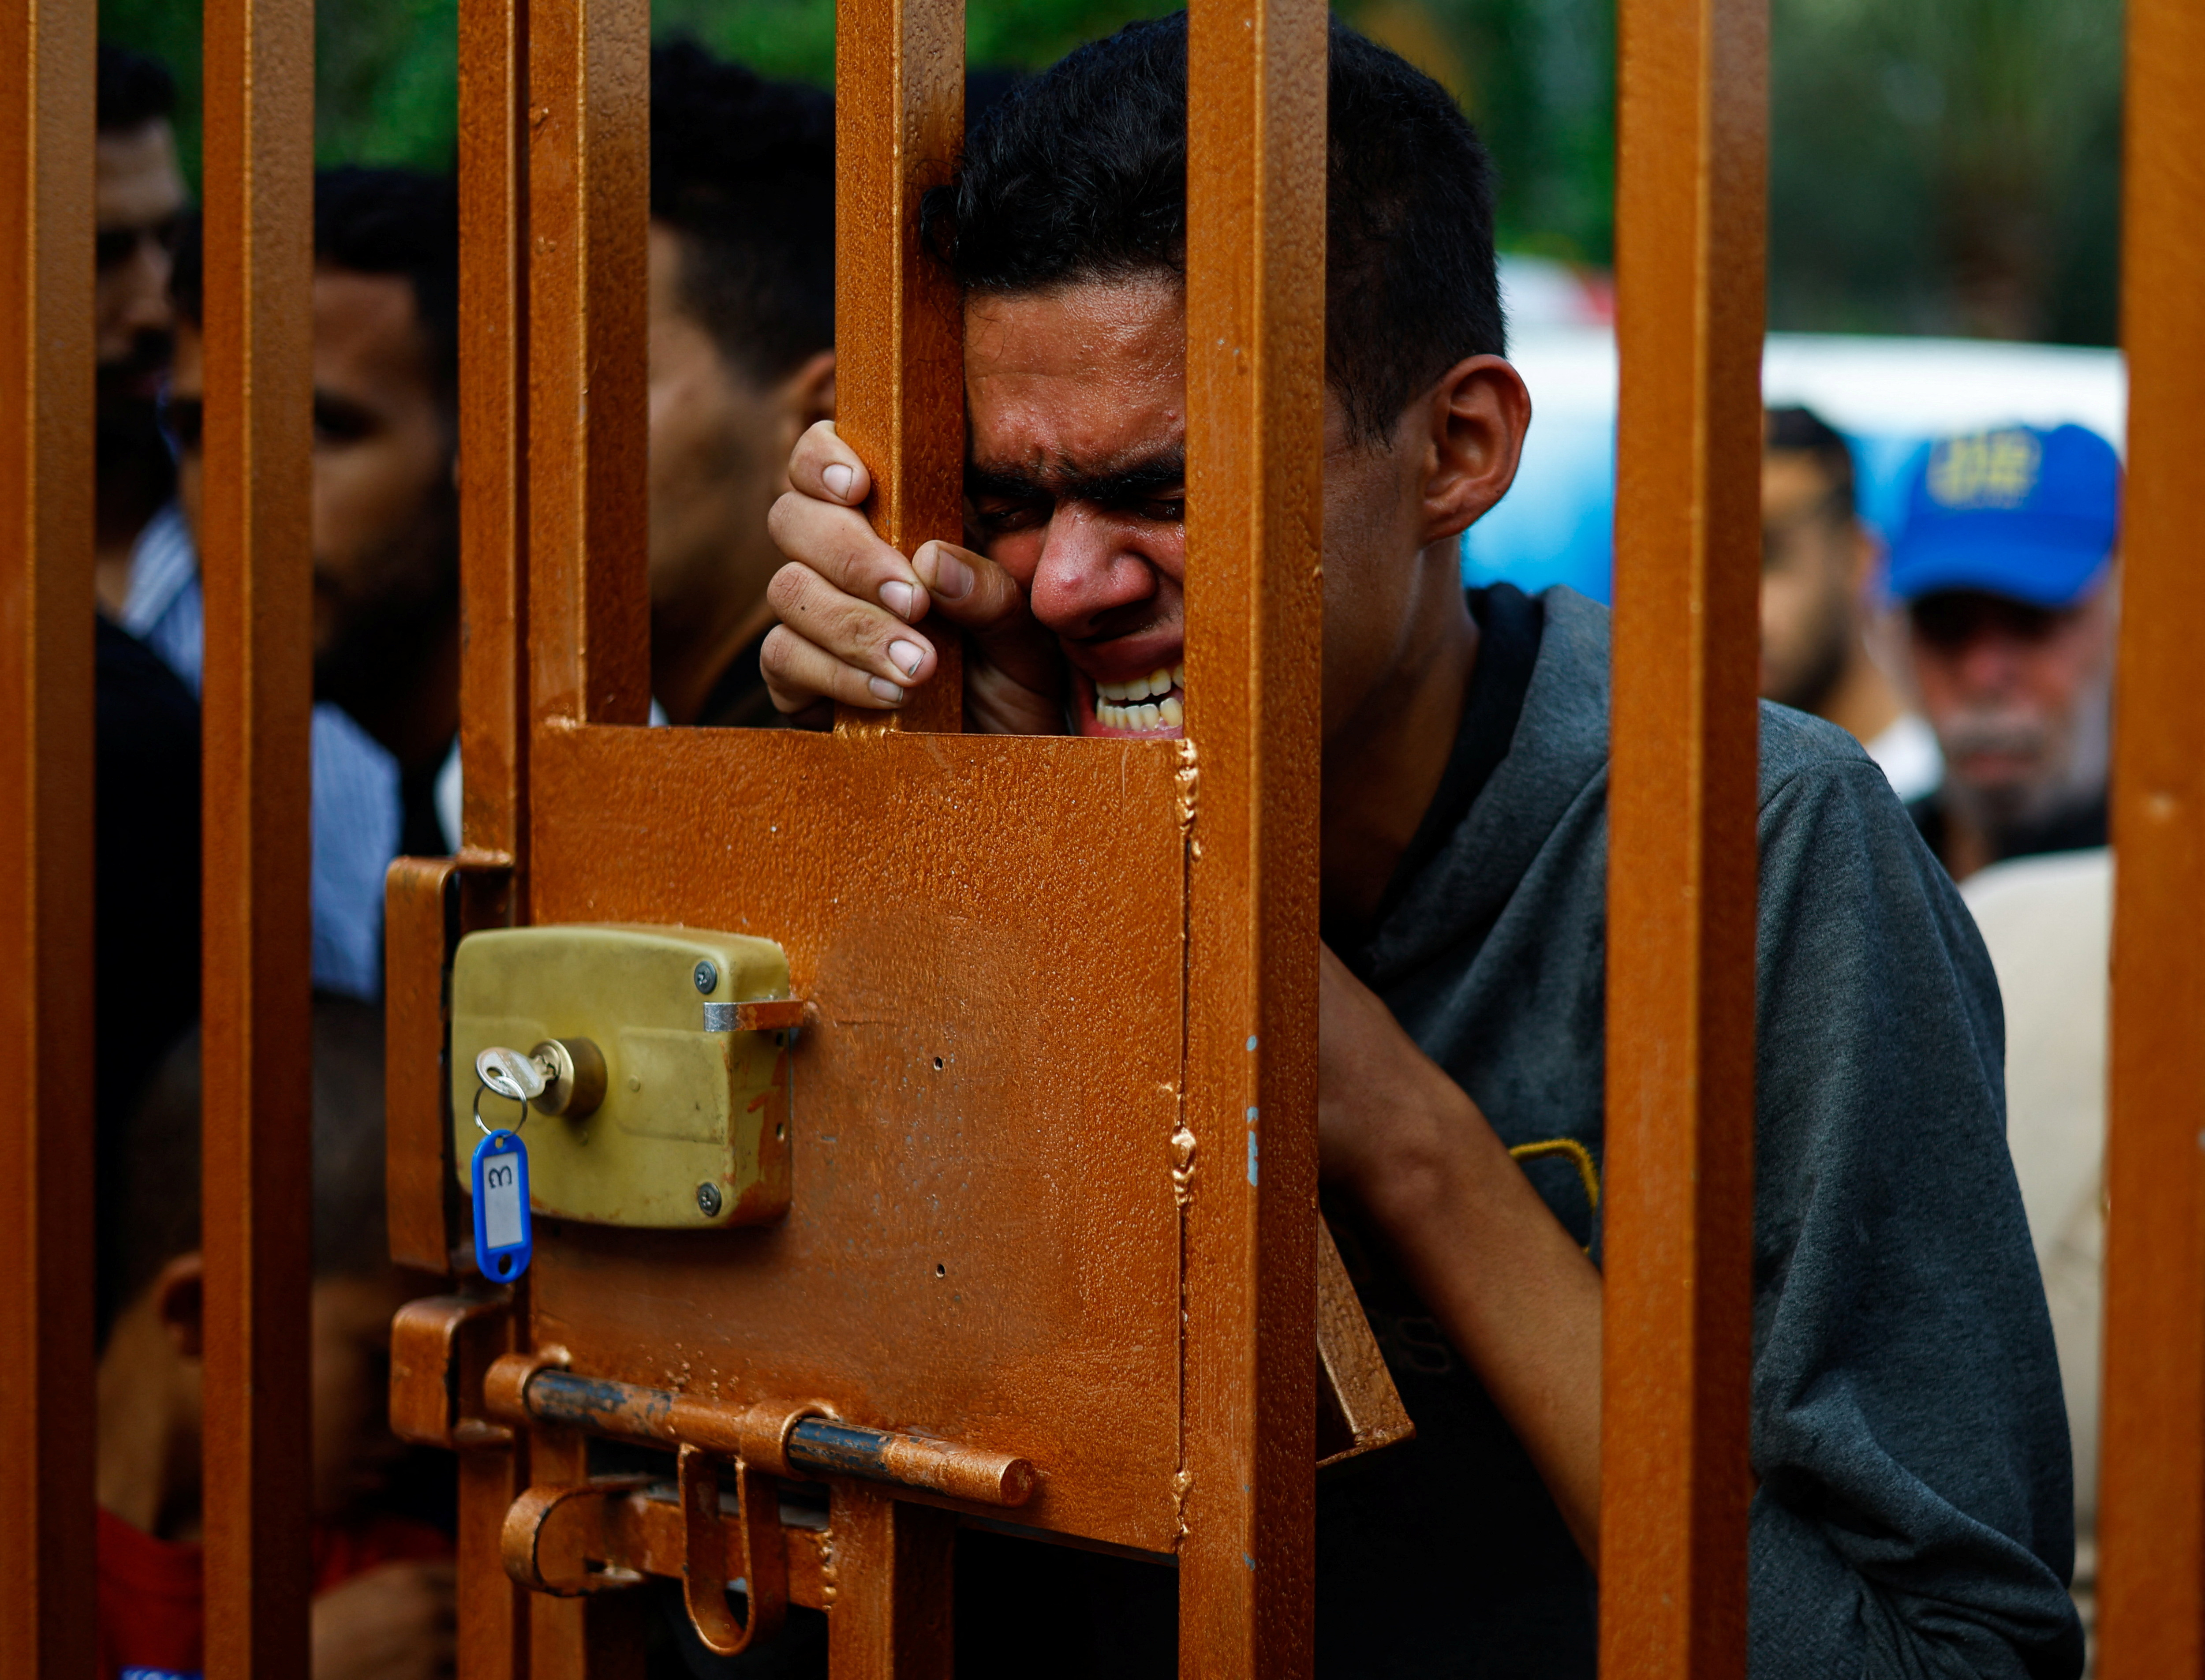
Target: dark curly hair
[[132, 90], [743, 168], [373, 221], [1081, 175]]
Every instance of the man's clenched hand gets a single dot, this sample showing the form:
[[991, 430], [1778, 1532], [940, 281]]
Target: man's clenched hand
[[848, 603]]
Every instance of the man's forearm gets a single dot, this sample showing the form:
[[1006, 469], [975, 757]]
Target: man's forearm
[[1508, 1285]]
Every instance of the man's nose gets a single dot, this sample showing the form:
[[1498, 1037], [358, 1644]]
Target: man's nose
[[1990, 661], [1086, 570], [146, 298]]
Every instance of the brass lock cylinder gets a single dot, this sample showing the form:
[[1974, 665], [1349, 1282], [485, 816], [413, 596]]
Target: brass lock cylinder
[[576, 1082]]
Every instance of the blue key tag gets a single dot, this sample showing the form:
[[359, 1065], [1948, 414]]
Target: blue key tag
[[504, 1238]]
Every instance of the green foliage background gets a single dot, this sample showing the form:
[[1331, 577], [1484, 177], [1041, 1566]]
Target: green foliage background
[[1937, 165]]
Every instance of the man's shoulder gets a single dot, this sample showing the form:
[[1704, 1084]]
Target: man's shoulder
[[1573, 688], [1795, 744], [1818, 788]]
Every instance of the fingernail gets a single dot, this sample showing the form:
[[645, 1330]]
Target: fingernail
[[904, 657], [953, 578], [884, 690], [896, 594], [839, 479]]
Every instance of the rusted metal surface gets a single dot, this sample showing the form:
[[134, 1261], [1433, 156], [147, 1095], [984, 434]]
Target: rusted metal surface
[[981, 1240], [1255, 337], [430, 1389], [805, 1441], [493, 1612], [420, 922], [493, 457], [589, 179], [2151, 1490], [772, 1014], [888, 1587], [494, 723], [255, 550], [1675, 1483], [1359, 1409], [46, 1161], [555, 1538], [898, 350], [709, 1564], [599, 1635], [643, 1530], [648, 1533]]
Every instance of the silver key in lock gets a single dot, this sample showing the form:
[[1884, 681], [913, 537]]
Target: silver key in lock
[[510, 1074], [565, 1076]]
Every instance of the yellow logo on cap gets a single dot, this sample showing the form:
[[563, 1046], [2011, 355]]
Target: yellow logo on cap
[[1991, 469]]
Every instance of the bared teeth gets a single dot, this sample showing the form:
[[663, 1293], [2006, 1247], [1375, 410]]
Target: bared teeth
[[1143, 703]]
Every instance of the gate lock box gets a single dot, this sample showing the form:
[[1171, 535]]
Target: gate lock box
[[663, 1056]]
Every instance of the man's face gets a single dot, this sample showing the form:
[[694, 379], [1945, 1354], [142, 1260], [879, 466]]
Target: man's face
[[385, 525], [1810, 581], [1077, 413], [2015, 694], [138, 195], [1077, 409], [350, 1372], [719, 455]]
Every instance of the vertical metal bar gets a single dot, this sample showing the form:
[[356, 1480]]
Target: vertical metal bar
[[589, 184], [46, 1623], [1692, 122], [2151, 1521], [494, 1612], [254, 548], [889, 1619], [494, 433], [1255, 388], [418, 1178], [598, 1637], [900, 368]]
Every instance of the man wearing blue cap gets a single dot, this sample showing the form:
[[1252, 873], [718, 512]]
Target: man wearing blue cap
[[2004, 568]]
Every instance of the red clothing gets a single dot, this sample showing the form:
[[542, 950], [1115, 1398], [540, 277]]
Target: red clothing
[[152, 1615]]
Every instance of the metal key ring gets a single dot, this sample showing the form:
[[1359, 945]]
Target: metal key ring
[[484, 1125]]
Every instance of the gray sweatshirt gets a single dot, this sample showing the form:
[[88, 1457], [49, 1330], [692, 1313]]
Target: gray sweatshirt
[[1914, 1514]]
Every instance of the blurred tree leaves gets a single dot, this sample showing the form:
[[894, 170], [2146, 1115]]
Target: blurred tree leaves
[[1938, 165], [1947, 166]]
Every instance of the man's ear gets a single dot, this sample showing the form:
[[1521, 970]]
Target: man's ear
[[808, 395], [1474, 420], [1866, 551], [179, 1302]]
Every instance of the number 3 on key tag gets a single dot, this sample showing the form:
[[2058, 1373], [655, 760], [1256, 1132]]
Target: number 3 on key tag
[[503, 1237]]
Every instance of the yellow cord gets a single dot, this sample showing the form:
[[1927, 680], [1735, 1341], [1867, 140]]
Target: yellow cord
[[1579, 1156]]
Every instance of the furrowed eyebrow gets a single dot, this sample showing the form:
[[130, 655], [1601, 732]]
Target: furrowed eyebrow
[[1148, 482]]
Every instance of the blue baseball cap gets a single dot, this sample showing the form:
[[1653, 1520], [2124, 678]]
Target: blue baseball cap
[[2021, 512]]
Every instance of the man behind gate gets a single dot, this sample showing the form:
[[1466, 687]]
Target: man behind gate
[[1912, 1513]]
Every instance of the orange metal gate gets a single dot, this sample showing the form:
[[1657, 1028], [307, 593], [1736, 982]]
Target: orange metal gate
[[552, 180]]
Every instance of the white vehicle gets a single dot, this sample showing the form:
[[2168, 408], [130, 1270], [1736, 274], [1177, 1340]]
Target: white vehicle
[[1890, 396]]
